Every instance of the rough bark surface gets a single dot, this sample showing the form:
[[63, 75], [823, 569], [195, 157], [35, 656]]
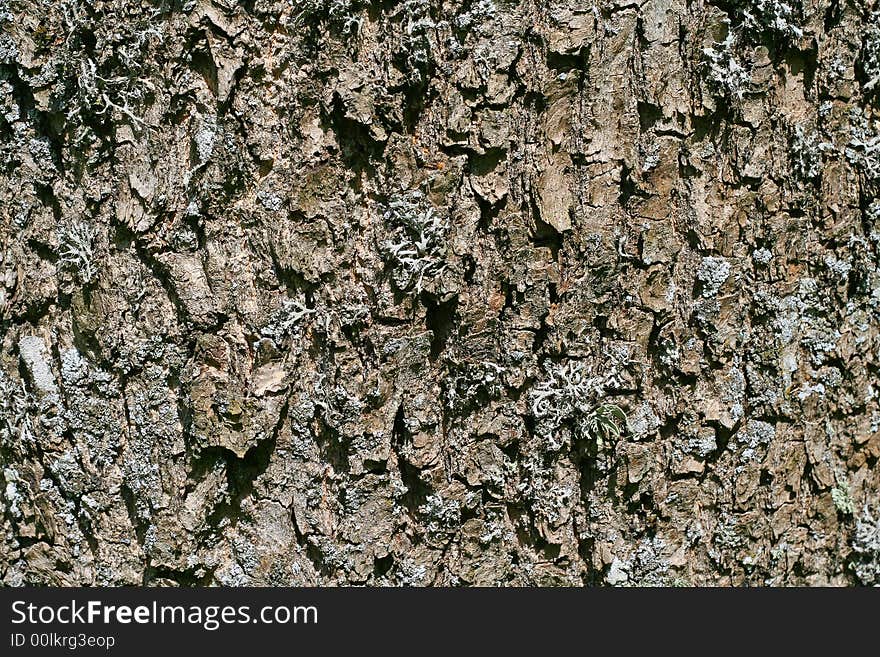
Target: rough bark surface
[[320, 292]]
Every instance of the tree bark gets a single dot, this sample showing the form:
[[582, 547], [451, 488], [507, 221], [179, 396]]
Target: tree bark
[[439, 292]]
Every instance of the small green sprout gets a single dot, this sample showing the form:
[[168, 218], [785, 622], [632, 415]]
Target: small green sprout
[[606, 422]]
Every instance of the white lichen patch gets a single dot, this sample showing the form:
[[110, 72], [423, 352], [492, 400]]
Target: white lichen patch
[[713, 273], [35, 355]]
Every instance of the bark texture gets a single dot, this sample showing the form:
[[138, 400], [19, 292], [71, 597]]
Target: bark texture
[[439, 292]]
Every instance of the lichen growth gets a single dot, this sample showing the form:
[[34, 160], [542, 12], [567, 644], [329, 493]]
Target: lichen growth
[[418, 244], [713, 273], [76, 250], [724, 71], [567, 404], [866, 547]]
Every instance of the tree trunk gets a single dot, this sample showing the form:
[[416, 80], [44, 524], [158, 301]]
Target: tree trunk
[[448, 292]]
